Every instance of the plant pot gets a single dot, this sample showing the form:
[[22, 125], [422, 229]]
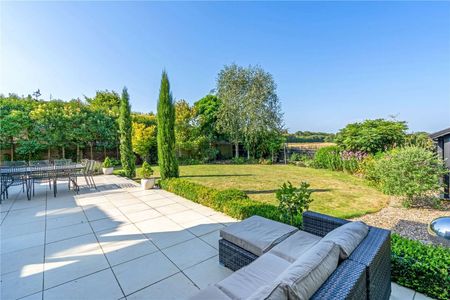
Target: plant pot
[[147, 183], [108, 171]]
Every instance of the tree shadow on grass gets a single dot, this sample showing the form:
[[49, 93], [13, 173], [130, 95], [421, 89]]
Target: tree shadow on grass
[[217, 175], [253, 192]]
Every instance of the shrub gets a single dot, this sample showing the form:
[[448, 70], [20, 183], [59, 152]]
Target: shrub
[[410, 172], [107, 163], [265, 161], [238, 160], [232, 202], [293, 201], [372, 136], [295, 157], [424, 268], [351, 160], [146, 171], [328, 158]]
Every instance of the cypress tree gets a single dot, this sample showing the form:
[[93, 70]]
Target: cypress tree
[[126, 153], [167, 161]]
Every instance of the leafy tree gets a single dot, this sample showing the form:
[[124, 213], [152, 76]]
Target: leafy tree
[[126, 153], [143, 140], [206, 110], [167, 161], [106, 101], [372, 136], [250, 106]]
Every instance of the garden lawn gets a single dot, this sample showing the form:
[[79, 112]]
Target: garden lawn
[[335, 193]]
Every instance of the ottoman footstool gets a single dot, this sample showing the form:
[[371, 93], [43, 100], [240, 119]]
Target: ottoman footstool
[[245, 241]]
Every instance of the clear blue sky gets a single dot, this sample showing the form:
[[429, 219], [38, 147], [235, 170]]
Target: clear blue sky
[[334, 62]]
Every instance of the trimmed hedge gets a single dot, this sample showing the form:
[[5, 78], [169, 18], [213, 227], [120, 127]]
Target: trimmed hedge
[[232, 202], [424, 268]]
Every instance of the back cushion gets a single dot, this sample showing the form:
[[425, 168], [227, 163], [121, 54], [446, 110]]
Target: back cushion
[[305, 276], [347, 237]]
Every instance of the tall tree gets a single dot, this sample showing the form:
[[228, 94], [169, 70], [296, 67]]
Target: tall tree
[[167, 161], [126, 152], [250, 108]]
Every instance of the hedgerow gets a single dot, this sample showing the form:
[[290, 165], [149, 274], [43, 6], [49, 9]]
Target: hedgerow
[[424, 268]]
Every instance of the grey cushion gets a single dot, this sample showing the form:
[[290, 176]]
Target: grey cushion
[[348, 237], [295, 245], [256, 234], [209, 293], [305, 276], [244, 282]]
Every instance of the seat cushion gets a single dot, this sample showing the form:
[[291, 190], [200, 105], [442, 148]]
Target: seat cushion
[[256, 234], [211, 292], [347, 237], [295, 245], [244, 282], [305, 276]]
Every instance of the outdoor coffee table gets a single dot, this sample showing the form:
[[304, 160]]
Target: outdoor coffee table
[[243, 242]]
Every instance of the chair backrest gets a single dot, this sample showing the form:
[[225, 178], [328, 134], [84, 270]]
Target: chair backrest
[[45, 162], [62, 162], [15, 163]]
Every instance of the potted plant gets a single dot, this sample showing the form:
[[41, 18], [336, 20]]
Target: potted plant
[[147, 181], [107, 166]]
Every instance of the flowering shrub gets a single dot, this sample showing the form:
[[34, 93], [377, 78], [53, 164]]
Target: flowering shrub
[[351, 160]]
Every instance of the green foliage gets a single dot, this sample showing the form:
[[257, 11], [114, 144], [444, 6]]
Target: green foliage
[[328, 158], [232, 202], [107, 163], [144, 137], [106, 101], [372, 136], [309, 137], [166, 131], [420, 139], [295, 157], [126, 153], [411, 172], [293, 201], [206, 113], [250, 108], [424, 268], [146, 171], [238, 160]]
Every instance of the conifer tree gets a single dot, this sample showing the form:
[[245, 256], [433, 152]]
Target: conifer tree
[[167, 161], [126, 152]]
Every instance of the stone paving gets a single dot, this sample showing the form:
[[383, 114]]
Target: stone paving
[[116, 242]]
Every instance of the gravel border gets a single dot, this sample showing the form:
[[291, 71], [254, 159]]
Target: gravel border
[[411, 223]]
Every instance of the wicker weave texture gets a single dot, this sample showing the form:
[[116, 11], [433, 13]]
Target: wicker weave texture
[[234, 257]]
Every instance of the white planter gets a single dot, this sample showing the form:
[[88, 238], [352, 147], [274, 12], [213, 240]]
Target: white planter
[[108, 171], [147, 183]]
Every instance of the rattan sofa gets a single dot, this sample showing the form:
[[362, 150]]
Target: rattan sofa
[[365, 274]]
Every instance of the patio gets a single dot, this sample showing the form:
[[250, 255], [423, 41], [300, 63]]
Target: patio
[[116, 242]]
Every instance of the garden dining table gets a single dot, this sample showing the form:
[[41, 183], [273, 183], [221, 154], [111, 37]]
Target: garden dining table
[[51, 172]]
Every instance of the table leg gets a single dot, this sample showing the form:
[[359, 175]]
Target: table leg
[[55, 182]]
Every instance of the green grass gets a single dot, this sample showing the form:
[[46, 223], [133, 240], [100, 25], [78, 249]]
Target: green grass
[[335, 193]]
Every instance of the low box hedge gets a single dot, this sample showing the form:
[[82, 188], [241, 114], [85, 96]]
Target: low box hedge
[[424, 268], [232, 202]]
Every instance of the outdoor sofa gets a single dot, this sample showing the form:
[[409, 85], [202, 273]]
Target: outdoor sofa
[[330, 258]]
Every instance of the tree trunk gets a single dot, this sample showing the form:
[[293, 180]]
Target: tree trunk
[[236, 149], [78, 153], [12, 149], [63, 152], [92, 155], [48, 153]]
